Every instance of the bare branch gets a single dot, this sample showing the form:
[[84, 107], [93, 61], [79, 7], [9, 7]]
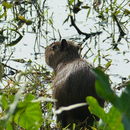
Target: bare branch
[[87, 35]]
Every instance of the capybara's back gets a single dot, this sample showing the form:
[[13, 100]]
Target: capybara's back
[[73, 81]]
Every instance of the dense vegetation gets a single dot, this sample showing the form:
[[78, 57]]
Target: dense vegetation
[[25, 92]]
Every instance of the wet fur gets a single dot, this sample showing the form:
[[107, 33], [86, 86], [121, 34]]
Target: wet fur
[[73, 82]]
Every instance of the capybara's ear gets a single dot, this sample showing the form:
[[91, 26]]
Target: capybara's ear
[[64, 44]]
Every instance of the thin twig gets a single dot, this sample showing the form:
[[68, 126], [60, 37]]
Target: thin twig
[[122, 33]]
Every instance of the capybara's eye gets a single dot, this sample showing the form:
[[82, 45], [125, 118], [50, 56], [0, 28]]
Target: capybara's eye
[[55, 47]]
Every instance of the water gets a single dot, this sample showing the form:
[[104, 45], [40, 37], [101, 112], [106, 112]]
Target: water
[[25, 48]]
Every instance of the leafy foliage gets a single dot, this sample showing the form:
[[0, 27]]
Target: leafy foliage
[[25, 95], [118, 115], [18, 100], [28, 114], [111, 120]]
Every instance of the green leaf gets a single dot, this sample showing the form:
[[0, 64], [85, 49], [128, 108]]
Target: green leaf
[[108, 64], [86, 7], [50, 21], [107, 10], [103, 86], [7, 5], [66, 20], [116, 12], [95, 59], [71, 2], [28, 114], [4, 102], [111, 120], [95, 108], [24, 20], [126, 12], [124, 102], [124, 106], [2, 15], [114, 119], [88, 12], [28, 22], [9, 126], [19, 60]]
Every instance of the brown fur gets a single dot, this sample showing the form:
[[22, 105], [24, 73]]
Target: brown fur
[[73, 81]]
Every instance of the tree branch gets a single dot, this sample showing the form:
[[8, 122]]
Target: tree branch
[[87, 35]]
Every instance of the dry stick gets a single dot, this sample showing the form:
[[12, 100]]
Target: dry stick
[[70, 107], [87, 35], [10, 67]]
